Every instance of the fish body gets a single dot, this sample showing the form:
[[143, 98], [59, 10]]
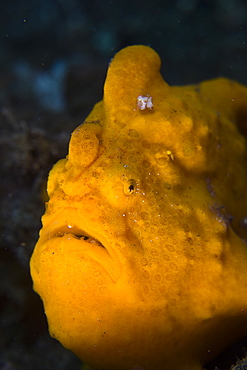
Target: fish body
[[141, 262]]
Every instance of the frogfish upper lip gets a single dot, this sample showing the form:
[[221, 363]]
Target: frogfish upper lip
[[96, 247]]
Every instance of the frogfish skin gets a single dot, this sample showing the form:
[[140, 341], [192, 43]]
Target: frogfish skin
[[141, 262]]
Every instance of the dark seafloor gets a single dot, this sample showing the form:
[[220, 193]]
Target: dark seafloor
[[53, 59]]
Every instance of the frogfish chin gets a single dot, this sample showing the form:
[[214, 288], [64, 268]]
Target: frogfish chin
[[141, 262]]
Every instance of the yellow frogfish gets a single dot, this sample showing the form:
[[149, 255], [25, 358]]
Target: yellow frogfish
[[142, 259]]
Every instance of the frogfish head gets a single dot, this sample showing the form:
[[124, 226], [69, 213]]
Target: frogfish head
[[131, 244]]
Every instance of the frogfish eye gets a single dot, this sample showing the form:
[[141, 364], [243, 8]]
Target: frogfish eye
[[129, 187]]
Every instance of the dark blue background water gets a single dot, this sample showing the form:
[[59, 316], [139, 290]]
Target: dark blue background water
[[196, 39]]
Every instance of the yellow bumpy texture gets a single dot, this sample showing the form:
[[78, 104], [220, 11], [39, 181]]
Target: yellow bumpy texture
[[142, 259]]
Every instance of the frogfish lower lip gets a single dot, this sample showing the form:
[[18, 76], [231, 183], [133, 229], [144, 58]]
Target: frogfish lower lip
[[85, 244]]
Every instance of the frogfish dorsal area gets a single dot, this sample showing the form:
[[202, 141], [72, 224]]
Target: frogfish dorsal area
[[141, 262]]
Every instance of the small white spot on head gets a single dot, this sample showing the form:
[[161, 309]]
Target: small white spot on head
[[245, 221], [144, 102]]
